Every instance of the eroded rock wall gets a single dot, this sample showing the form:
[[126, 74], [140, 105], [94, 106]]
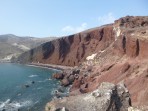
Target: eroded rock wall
[[71, 50]]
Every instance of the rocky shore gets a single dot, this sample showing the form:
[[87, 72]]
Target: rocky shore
[[52, 66], [88, 93]]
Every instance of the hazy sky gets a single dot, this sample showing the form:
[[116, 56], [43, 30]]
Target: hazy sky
[[42, 18]]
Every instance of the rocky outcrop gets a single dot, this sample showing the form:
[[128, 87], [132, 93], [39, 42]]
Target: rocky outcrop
[[132, 34], [132, 21], [107, 97]]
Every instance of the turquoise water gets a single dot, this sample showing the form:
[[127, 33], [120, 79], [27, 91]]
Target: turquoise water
[[13, 93]]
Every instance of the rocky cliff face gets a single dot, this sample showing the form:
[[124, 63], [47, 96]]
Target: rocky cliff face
[[126, 59], [71, 50], [111, 53], [127, 35], [132, 36]]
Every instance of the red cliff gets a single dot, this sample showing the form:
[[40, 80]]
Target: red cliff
[[119, 55]]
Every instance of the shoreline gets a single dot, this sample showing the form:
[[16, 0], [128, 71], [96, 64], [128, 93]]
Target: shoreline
[[59, 94], [50, 66]]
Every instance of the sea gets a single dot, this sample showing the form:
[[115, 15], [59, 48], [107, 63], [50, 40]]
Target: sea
[[25, 88]]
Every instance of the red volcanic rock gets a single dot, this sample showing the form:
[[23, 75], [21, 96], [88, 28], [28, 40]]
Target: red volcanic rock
[[58, 76], [84, 88], [123, 58], [132, 47], [125, 67], [143, 45], [107, 67], [73, 49], [132, 21], [65, 82], [77, 83]]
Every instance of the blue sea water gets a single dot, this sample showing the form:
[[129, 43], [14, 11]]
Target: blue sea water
[[13, 93]]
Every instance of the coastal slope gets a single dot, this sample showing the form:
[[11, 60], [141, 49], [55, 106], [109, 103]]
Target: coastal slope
[[71, 50], [111, 53]]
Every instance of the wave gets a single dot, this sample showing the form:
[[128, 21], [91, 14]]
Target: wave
[[26, 103], [9, 106], [49, 79], [44, 80], [53, 92], [39, 88], [2, 104], [33, 76], [13, 106]]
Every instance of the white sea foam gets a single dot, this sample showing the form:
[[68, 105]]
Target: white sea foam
[[13, 106], [49, 79], [33, 75], [53, 91], [9, 105], [2, 104], [40, 81], [26, 103], [40, 88], [36, 102]]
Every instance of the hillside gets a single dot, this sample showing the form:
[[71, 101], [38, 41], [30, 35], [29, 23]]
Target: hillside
[[112, 53], [12, 45], [73, 49]]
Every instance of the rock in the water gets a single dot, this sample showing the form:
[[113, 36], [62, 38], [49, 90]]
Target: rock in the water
[[32, 82], [108, 97], [26, 85], [61, 89], [58, 76]]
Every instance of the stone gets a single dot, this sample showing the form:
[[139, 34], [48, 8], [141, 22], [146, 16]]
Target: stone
[[26, 85], [65, 82], [76, 71], [32, 82], [58, 76], [133, 109], [61, 89], [71, 79]]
